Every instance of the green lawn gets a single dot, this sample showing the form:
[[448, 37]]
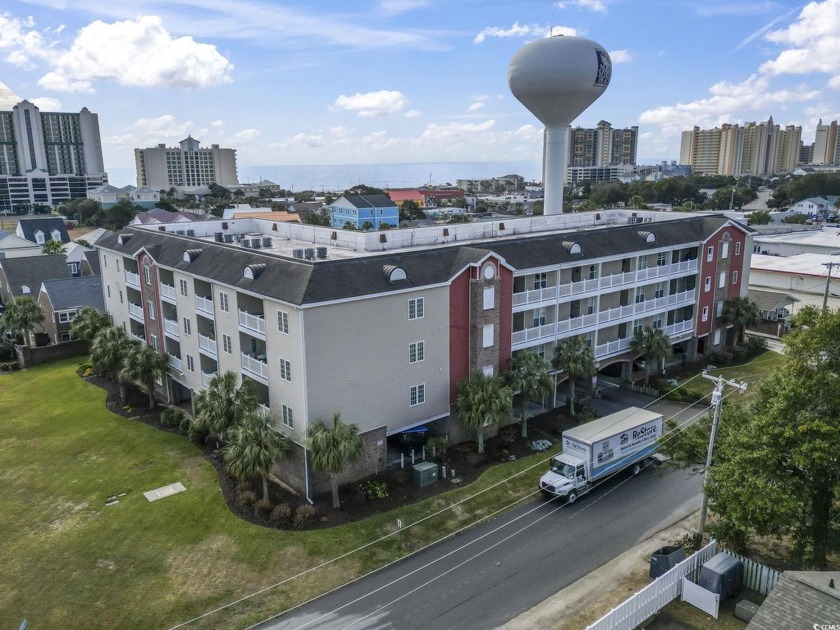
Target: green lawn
[[751, 372], [68, 561]]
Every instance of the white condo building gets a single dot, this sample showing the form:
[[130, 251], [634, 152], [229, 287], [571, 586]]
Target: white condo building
[[185, 167]]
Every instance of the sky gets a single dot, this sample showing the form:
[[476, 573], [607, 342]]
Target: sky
[[396, 81]]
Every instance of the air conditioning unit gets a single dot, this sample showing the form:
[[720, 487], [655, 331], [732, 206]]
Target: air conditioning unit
[[228, 238], [297, 253], [266, 241], [190, 232], [322, 253], [309, 253], [219, 237]]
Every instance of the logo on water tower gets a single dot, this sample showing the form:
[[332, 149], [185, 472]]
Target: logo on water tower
[[602, 79]]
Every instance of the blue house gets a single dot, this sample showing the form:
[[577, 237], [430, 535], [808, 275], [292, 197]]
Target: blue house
[[378, 210]]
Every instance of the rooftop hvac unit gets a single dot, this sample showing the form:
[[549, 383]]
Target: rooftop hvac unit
[[322, 252], [297, 253], [245, 242], [190, 232], [179, 232], [219, 237], [228, 238], [266, 241], [309, 253], [255, 243]]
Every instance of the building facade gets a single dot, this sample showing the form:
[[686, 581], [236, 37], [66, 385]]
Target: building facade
[[602, 146], [361, 210], [187, 166], [385, 337]]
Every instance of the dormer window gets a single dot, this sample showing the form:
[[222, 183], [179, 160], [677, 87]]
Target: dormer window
[[39, 237], [56, 236], [648, 237], [394, 273], [191, 254], [572, 248], [253, 271]]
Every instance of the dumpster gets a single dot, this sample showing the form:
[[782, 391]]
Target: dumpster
[[664, 559], [425, 474]]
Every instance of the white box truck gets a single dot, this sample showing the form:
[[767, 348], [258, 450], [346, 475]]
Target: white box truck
[[600, 448]]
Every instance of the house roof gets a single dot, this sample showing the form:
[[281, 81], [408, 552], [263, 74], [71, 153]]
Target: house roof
[[405, 194], [801, 599], [801, 264], [770, 301], [90, 237], [159, 215], [92, 258], [367, 201], [69, 293], [105, 188], [305, 282], [4, 234], [31, 271], [28, 226]]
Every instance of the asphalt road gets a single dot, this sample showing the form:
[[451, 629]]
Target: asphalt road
[[489, 575]]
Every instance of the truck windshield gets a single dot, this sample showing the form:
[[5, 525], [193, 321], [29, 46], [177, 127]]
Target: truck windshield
[[560, 468]]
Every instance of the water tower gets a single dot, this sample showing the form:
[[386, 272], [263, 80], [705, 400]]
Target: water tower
[[557, 78]]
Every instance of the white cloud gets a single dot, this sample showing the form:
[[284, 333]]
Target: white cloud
[[47, 104], [303, 140], [162, 127], [522, 30], [621, 56], [217, 123], [452, 133], [23, 46], [474, 107], [413, 113], [246, 136], [340, 131], [372, 104], [60, 83], [123, 140]]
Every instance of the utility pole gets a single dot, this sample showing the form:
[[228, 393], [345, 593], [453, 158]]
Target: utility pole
[[830, 266], [717, 403]]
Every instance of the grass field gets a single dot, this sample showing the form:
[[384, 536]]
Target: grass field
[[751, 372], [68, 561]]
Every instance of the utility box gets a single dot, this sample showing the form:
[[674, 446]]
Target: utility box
[[425, 474], [723, 575]]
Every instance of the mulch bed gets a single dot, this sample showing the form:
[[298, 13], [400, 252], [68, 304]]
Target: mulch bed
[[462, 458]]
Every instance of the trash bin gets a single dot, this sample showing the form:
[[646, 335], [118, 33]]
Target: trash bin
[[665, 559], [425, 474]]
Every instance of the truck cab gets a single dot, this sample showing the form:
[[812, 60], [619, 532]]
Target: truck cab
[[567, 477]]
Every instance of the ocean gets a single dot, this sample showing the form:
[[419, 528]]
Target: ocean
[[338, 177]]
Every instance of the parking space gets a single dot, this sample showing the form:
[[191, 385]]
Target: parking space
[[614, 398]]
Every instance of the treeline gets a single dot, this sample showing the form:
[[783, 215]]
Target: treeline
[[680, 192], [794, 189]]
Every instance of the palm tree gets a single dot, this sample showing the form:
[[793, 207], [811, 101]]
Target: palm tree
[[51, 248], [653, 344], [107, 353], [23, 315], [483, 400], [143, 363], [223, 404], [87, 324], [574, 357], [331, 449], [254, 447], [743, 312], [636, 201], [528, 374]]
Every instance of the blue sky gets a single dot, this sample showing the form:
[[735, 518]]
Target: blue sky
[[315, 82]]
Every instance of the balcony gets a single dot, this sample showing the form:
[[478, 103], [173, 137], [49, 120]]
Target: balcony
[[132, 279], [167, 292], [206, 377], [264, 410], [680, 328], [204, 305], [537, 295], [255, 367], [252, 323], [170, 327], [136, 311], [175, 362], [207, 345], [138, 337], [612, 347]]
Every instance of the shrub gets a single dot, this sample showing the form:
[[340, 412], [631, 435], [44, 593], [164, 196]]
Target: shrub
[[281, 514], [86, 365], [739, 354], [185, 425], [540, 445], [172, 417], [245, 499], [374, 489], [755, 345], [263, 508], [305, 515]]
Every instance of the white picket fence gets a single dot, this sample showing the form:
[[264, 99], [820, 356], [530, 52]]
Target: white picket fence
[[656, 595], [757, 577]]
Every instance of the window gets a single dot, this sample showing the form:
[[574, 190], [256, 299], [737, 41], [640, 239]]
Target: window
[[39, 237], [183, 285], [418, 395], [487, 370], [640, 296], [643, 262], [705, 317], [288, 418], [724, 249], [657, 322], [710, 253], [65, 336], [487, 339], [722, 280], [738, 248], [539, 318], [190, 364], [150, 307], [415, 308], [66, 317], [637, 325], [593, 272], [283, 322], [147, 272], [108, 290], [719, 308], [74, 268], [285, 370], [117, 260], [121, 300], [489, 297], [187, 327], [661, 259], [734, 277], [590, 306], [717, 337], [540, 280], [659, 291], [227, 345], [707, 284], [154, 341], [223, 301], [416, 351]]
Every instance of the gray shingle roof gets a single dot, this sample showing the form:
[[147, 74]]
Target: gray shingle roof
[[46, 224], [31, 271], [770, 301], [304, 282], [801, 599], [92, 258], [369, 201], [75, 293]]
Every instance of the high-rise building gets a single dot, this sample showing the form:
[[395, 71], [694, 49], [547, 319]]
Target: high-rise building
[[602, 146], [825, 143], [186, 166], [48, 157]]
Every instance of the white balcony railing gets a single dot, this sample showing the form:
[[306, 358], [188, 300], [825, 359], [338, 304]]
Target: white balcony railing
[[132, 279], [255, 367], [204, 305], [136, 311], [612, 347], [679, 327], [167, 292], [175, 362], [206, 377], [265, 410], [170, 327], [252, 322], [207, 344], [139, 337]]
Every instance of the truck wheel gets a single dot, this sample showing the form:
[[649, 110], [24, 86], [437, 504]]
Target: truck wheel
[[637, 468], [572, 496]]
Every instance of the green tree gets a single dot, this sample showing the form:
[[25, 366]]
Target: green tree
[[608, 194], [410, 210], [483, 400], [528, 374], [219, 192], [574, 357], [743, 312], [23, 315], [223, 404], [53, 248], [796, 219], [653, 344], [107, 354], [759, 217], [144, 364], [253, 448], [367, 225], [636, 201], [331, 449], [87, 324]]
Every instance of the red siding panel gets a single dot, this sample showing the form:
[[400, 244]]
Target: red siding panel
[[505, 317], [459, 332]]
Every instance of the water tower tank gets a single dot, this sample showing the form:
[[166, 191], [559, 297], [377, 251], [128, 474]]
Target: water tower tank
[[557, 78]]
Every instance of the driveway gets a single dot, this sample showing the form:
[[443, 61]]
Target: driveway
[[614, 398]]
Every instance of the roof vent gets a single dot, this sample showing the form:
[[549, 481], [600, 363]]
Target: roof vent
[[191, 254], [383, 238], [274, 227], [648, 237], [572, 248], [122, 239], [253, 271], [394, 273]]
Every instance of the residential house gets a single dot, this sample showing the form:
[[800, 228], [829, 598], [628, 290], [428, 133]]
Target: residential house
[[23, 276], [159, 216], [800, 599], [775, 311], [803, 277], [61, 300], [815, 206], [12, 245], [40, 229], [357, 210]]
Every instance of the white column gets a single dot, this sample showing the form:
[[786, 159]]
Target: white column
[[554, 167]]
